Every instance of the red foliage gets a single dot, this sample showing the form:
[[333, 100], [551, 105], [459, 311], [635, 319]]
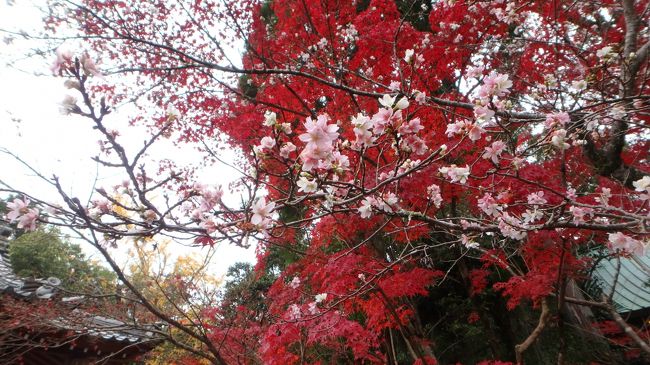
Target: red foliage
[[359, 264]]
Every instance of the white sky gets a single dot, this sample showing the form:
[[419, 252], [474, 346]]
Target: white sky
[[32, 127]]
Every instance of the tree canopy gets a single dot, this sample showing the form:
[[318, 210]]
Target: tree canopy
[[44, 253]]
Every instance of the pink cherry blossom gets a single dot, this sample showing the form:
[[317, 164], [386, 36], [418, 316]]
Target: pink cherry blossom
[[412, 126], [365, 210], [619, 241], [420, 97], [536, 198], [605, 195], [475, 71], [557, 119], [295, 283], [319, 133], [580, 213], [494, 85], [455, 173], [402, 103], [387, 101], [494, 151], [286, 149], [454, 128], [413, 143], [489, 205], [483, 113], [642, 185], [267, 143], [558, 139], [270, 118], [474, 131], [262, 212], [89, 66], [19, 211], [62, 57], [362, 125], [433, 192], [319, 138], [306, 185], [28, 220]]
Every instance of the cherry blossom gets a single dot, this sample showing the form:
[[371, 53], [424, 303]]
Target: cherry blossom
[[319, 133], [320, 297], [420, 97], [295, 283], [642, 185], [473, 130], [489, 205], [475, 72], [619, 241], [89, 66], [455, 173], [387, 101], [580, 213], [294, 312], [605, 195], [62, 57], [433, 191], [365, 210], [483, 114], [408, 55], [557, 119], [558, 139], [286, 149], [69, 105], [494, 151], [19, 211], [536, 198], [413, 126], [402, 103], [267, 143], [494, 84], [605, 52], [531, 216], [270, 118], [468, 242], [262, 213], [306, 185], [362, 125]]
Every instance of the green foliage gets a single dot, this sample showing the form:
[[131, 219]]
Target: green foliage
[[416, 12], [269, 17], [43, 254], [247, 87], [244, 287]]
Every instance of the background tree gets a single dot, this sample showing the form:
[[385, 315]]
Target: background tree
[[44, 253]]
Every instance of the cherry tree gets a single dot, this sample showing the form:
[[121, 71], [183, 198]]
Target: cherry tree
[[389, 148]]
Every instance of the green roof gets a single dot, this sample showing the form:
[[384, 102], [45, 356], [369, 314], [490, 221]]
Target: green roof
[[633, 287]]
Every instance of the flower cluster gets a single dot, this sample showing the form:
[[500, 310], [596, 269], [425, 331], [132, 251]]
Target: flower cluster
[[19, 211], [319, 140]]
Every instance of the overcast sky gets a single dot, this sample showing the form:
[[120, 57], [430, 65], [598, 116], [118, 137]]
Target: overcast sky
[[32, 127]]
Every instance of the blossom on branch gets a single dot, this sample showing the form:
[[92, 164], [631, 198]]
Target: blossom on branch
[[19, 211]]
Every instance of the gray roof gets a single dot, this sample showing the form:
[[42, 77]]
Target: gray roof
[[632, 290], [92, 325], [105, 327], [39, 288]]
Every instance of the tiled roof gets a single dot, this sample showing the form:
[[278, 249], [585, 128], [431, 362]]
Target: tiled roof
[[106, 328], [92, 325], [39, 288]]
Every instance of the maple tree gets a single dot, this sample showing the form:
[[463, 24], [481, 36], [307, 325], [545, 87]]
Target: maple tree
[[397, 154]]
